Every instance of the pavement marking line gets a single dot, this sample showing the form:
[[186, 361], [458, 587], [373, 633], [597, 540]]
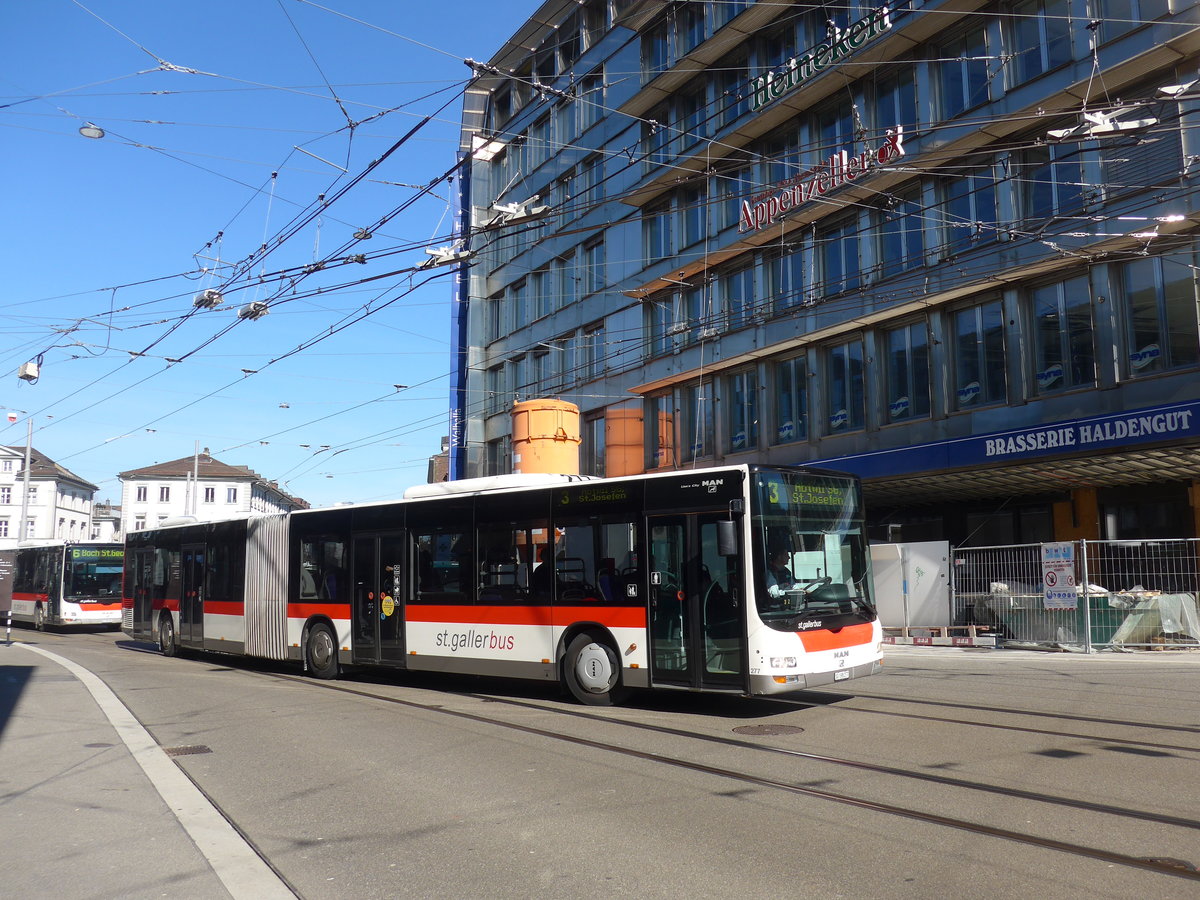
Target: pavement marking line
[[241, 870]]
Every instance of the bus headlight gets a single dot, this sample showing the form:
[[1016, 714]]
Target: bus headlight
[[783, 662]]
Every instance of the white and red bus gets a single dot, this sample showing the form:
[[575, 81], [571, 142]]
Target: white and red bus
[[650, 581], [60, 583]]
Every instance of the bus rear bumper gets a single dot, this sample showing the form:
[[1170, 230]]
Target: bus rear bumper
[[770, 684]]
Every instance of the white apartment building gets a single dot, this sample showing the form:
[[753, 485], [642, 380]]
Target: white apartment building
[[59, 502], [199, 486]]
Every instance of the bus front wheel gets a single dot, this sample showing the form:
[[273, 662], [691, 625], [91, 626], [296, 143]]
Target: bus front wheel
[[166, 635], [39, 618], [593, 672], [322, 652]]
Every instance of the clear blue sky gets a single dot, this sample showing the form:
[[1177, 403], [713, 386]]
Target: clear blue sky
[[189, 156]]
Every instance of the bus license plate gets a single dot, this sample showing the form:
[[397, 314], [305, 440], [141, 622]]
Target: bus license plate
[[842, 675]]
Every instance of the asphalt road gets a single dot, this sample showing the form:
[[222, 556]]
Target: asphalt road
[[398, 785]]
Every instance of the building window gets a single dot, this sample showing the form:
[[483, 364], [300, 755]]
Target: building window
[[140, 493], [564, 281], [231, 495], [560, 363], [593, 266], [1118, 17], [591, 183], [733, 189], [1050, 180], [696, 421], [737, 296], [845, 392], [1039, 38], [693, 116], [1061, 317], [733, 93], [499, 456], [694, 210], [538, 145], [660, 431], [656, 227], [968, 208], [518, 311], [496, 390], [784, 274], [210, 495], [539, 292], [691, 27], [660, 317], [908, 372], [164, 493], [656, 138], [1160, 313], [895, 104], [591, 100], [837, 248], [519, 377], [898, 229], [540, 373], [594, 351], [7, 465], [5, 496], [3, 528], [962, 73], [657, 54], [593, 446], [741, 389], [33, 493], [725, 11], [979, 360]]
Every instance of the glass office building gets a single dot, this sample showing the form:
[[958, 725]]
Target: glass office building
[[948, 246]]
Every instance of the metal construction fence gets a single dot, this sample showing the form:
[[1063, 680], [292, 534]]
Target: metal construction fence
[[1126, 594]]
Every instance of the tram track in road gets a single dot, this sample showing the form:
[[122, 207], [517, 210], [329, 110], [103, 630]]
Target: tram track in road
[[1161, 866], [1030, 713], [999, 726]]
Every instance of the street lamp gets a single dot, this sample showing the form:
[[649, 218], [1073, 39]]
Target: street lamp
[[88, 130]]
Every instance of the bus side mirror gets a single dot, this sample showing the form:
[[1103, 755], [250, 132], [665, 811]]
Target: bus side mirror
[[727, 544]]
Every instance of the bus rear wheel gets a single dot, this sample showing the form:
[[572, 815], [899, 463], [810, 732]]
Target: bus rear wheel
[[166, 635], [322, 652], [593, 672]]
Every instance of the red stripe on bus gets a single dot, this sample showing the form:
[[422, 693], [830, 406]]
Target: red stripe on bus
[[26, 595], [613, 616], [850, 636], [224, 607], [332, 610]]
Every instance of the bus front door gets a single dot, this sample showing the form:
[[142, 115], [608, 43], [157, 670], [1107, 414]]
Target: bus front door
[[697, 613], [191, 596], [377, 603]]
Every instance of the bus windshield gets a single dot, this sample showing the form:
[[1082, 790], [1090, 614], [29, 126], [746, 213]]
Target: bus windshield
[[93, 572], [813, 563]]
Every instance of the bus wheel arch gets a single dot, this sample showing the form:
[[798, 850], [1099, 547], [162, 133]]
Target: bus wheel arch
[[591, 666], [321, 649]]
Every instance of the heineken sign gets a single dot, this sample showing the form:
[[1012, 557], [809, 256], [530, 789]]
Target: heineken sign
[[799, 69], [767, 207]]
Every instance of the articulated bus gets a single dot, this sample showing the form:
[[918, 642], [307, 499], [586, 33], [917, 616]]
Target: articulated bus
[[60, 583], [649, 581]]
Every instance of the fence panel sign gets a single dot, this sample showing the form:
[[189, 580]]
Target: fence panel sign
[[1058, 576]]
